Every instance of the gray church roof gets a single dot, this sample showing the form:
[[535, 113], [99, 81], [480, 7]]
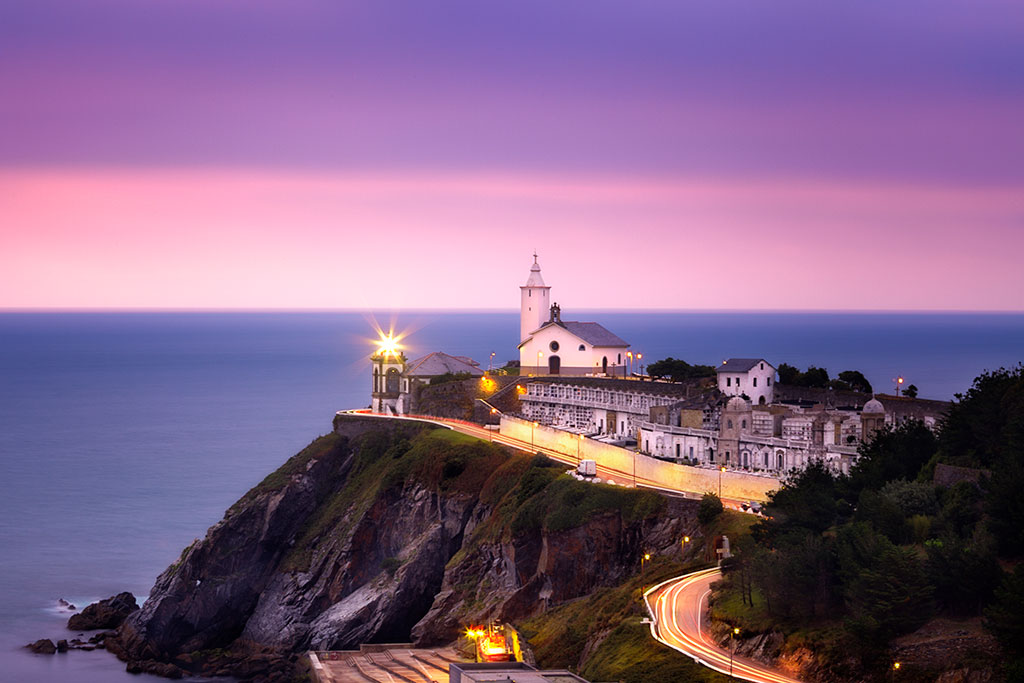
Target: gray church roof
[[592, 333], [439, 363], [741, 364]]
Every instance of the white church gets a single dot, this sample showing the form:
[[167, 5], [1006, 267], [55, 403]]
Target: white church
[[552, 346]]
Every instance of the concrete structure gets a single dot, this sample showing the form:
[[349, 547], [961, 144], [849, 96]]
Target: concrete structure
[[385, 662], [395, 380], [771, 439], [552, 346], [508, 672], [750, 377], [599, 406], [623, 466]]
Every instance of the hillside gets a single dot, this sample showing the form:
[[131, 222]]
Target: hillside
[[385, 531]]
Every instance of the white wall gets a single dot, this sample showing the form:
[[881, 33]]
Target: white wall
[[535, 309], [587, 361], [649, 471], [756, 383]]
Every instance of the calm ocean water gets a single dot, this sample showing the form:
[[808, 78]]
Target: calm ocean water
[[124, 436]]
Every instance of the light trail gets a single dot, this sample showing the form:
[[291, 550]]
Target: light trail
[[678, 617]]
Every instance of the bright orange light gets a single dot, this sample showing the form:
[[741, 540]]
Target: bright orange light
[[900, 380], [686, 539], [647, 556], [723, 468], [736, 631], [895, 665]]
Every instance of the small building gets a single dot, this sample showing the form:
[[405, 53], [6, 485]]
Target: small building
[[507, 672], [552, 346], [396, 379], [750, 377]]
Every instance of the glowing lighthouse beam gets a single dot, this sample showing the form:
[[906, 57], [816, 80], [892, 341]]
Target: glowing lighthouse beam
[[388, 345]]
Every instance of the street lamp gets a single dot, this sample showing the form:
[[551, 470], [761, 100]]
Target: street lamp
[[646, 558], [895, 668], [640, 366], [629, 357], [490, 363], [732, 651], [686, 539], [720, 470]]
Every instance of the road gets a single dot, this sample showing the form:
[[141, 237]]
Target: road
[[679, 607], [605, 473]]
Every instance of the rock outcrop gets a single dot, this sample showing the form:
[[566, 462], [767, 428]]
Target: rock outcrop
[[380, 532], [104, 614]]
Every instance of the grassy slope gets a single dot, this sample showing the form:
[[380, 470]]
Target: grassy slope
[[611, 616]]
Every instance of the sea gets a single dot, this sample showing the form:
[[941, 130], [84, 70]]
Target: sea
[[124, 436]]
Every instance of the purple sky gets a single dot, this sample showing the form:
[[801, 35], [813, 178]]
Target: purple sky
[[183, 153]]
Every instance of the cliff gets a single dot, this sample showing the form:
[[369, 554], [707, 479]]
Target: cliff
[[380, 532]]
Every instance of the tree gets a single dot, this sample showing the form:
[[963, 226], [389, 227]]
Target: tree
[[709, 509], [788, 374], [910, 391], [678, 370], [892, 454], [856, 380], [814, 377], [1004, 618]]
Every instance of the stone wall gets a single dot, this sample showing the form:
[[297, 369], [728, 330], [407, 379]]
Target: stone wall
[[620, 464]]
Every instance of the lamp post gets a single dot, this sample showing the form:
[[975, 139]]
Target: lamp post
[[732, 650], [686, 539], [578, 445], [895, 668], [640, 366], [490, 363], [629, 358], [720, 470]]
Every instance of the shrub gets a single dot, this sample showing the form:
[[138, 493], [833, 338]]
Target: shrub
[[710, 508]]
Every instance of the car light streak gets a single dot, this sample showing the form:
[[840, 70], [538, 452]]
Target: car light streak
[[677, 617]]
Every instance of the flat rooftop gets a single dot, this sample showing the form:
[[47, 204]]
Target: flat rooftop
[[385, 664]]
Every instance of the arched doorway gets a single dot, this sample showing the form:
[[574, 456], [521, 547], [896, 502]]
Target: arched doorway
[[604, 365], [391, 381], [554, 365]]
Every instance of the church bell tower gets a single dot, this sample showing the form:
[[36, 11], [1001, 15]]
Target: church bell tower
[[536, 302]]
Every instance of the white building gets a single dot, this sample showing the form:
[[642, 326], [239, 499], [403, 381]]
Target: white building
[[750, 377], [395, 379], [552, 346]]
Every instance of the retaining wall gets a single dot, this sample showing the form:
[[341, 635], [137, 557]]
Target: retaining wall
[[649, 471]]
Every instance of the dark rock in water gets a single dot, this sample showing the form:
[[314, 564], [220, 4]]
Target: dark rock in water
[[64, 604], [107, 613], [43, 646], [101, 636], [62, 646], [156, 668]]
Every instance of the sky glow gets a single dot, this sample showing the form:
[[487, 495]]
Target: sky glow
[[738, 155]]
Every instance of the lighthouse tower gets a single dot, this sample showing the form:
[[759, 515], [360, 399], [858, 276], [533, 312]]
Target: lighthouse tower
[[536, 298]]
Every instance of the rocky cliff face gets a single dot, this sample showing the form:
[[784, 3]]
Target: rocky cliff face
[[382, 532]]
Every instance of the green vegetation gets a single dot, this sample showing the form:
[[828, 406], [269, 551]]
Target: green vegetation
[[321, 447], [848, 380], [851, 562], [611, 616], [450, 377], [678, 370], [710, 508]]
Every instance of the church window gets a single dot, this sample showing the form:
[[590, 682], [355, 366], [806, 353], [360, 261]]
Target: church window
[[620, 359], [743, 424], [677, 450], [769, 381], [728, 381], [755, 381], [582, 347], [728, 424], [553, 346], [691, 452], [762, 366]]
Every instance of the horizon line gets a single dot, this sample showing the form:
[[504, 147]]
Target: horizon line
[[391, 309]]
